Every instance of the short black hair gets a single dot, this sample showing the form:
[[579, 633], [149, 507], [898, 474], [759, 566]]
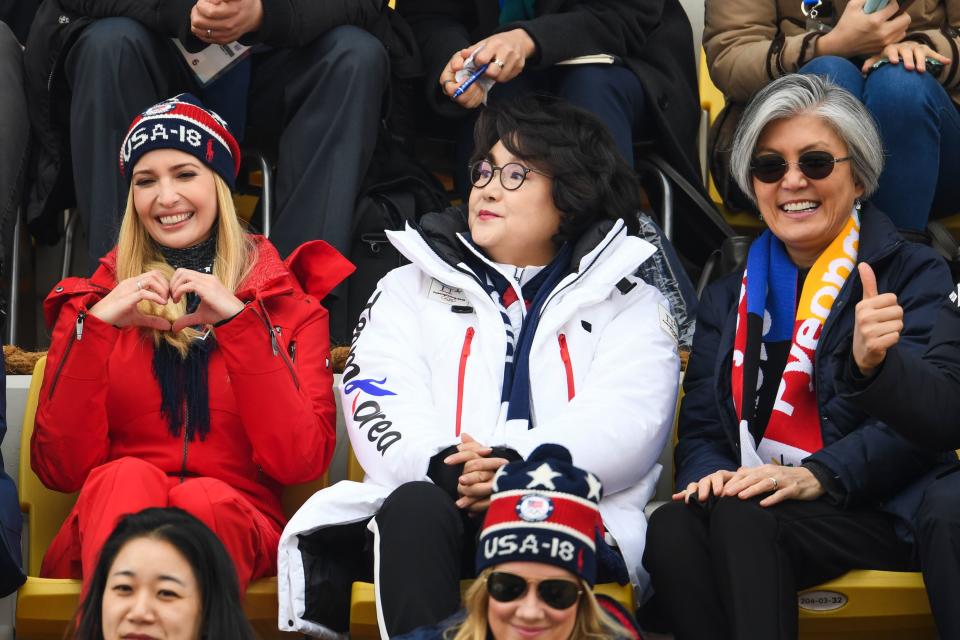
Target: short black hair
[[591, 180], [221, 609]]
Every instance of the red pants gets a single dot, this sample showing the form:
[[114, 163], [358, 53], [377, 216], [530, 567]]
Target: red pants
[[128, 485]]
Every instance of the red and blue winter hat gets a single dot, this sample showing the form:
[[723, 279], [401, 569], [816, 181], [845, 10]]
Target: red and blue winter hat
[[182, 123], [543, 509]]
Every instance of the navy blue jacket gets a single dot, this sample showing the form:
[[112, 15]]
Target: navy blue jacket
[[874, 465], [11, 572], [919, 397]]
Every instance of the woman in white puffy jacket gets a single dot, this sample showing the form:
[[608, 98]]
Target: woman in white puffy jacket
[[519, 324]]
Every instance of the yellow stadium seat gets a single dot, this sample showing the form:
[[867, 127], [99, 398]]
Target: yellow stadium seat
[[363, 606], [712, 101], [45, 606]]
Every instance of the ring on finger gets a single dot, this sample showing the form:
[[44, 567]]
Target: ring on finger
[[139, 285], [498, 62], [209, 32], [776, 484]]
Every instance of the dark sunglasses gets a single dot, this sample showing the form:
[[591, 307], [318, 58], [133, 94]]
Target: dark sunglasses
[[816, 165], [556, 593]]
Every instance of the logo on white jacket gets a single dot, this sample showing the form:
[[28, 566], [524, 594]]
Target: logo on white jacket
[[368, 414]]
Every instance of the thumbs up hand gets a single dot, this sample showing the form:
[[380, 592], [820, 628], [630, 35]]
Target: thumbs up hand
[[879, 321]]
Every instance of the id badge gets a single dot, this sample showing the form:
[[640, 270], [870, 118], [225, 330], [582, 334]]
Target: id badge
[[212, 61]]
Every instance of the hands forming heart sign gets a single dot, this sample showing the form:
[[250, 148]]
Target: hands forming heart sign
[[121, 307]]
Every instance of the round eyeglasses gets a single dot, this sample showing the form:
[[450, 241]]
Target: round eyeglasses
[[512, 174], [815, 165]]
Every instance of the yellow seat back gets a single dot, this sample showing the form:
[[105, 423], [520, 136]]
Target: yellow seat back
[[45, 509], [712, 101]]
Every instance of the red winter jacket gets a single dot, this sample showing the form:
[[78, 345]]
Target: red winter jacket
[[272, 412]]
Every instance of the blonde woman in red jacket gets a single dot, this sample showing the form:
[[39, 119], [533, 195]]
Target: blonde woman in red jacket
[[192, 369]]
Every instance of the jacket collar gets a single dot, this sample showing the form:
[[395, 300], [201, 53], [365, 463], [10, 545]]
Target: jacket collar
[[878, 235], [440, 236]]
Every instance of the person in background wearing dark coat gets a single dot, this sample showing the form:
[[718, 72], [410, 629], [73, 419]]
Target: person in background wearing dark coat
[[919, 397], [15, 20], [649, 92], [315, 79], [784, 484], [11, 520]]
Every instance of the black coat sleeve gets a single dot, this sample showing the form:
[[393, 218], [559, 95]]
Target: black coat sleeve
[[440, 29], [286, 23], [919, 397], [167, 17], [617, 27], [872, 461]]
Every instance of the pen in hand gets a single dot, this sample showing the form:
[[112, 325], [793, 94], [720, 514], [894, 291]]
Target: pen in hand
[[469, 82]]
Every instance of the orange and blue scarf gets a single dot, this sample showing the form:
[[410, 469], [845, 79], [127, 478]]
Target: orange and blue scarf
[[773, 327]]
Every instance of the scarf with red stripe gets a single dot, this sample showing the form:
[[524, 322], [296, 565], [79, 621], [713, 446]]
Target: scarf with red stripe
[[772, 327]]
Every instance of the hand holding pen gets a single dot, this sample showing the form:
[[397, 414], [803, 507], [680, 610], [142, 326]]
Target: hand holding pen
[[469, 82]]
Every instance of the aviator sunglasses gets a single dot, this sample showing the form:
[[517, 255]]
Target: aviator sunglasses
[[556, 593], [815, 165]]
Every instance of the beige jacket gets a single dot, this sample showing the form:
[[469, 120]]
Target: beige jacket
[[751, 42]]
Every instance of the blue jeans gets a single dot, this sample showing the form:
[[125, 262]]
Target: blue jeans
[[920, 128]]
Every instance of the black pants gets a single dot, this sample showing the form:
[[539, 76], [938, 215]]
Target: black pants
[[324, 100], [424, 545], [732, 569], [938, 542]]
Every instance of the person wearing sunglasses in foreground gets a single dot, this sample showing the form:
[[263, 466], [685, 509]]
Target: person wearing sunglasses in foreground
[[536, 561], [784, 484], [519, 321]]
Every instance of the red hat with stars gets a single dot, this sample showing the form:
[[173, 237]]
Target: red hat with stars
[[184, 124]]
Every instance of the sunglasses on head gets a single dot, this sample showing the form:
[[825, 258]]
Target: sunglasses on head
[[815, 165], [556, 593]]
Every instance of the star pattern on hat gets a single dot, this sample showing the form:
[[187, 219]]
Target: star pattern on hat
[[595, 487], [543, 476], [496, 477]]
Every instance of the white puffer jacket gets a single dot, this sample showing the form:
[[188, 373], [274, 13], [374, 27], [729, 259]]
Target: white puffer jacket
[[427, 363]]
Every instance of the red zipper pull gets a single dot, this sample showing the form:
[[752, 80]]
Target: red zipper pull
[[461, 374], [567, 365]]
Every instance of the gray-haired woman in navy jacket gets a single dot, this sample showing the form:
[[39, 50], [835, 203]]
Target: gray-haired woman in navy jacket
[[783, 483]]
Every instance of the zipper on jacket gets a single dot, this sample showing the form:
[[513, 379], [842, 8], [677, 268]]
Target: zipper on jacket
[[567, 365], [461, 374], [77, 335], [275, 343]]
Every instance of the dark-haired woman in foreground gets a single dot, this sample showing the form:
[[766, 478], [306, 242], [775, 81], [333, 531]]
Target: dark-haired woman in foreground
[[518, 324], [162, 574]]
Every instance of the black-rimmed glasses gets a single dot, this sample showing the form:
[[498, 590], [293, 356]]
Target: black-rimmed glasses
[[512, 174], [815, 165], [556, 593]]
